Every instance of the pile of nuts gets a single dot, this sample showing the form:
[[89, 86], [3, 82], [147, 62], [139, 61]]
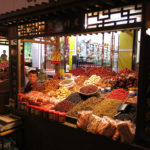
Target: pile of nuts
[[62, 93], [93, 80]]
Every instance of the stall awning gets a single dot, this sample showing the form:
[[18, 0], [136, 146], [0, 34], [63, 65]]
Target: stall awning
[[59, 8]]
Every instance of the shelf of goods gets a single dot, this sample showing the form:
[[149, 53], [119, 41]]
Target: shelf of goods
[[102, 106]]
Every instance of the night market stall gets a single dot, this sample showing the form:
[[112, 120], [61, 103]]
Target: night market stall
[[90, 106]]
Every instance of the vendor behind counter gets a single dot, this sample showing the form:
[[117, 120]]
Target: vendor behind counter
[[32, 83]]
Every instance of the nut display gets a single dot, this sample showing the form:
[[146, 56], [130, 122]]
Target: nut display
[[62, 92], [93, 80]]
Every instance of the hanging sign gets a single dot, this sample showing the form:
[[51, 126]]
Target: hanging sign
[[65, 25]]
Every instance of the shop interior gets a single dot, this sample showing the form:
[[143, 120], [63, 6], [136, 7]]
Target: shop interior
[[116, 50]]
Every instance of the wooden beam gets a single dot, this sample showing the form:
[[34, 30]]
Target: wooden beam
[[39, 42]]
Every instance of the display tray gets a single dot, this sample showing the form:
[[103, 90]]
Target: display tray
[[71, 119]]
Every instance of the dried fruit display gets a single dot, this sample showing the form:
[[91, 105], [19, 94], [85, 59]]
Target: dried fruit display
[[62, 93], [36, 98], [50, 85], [80, 80], [64, 106], [88, 89], [93, 80], [126, 71], [78, 71], [115, 129], [100, 71], [119, 94]]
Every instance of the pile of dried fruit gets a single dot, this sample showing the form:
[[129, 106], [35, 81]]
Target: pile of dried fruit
[[93, 80], [100, 71], [78, 71], [119, 94], [62, 93], [64, 106], [80, 80], [50, 85], [88, 89]]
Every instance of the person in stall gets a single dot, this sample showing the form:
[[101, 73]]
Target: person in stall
[[32, 84], [4, 56]]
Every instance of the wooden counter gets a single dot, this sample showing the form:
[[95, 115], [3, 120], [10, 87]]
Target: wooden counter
[[41, 134]]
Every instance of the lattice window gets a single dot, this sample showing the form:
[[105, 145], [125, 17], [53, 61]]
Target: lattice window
[[114, 17], [31, 29]]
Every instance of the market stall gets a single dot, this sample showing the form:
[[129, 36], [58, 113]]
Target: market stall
[[92, 104]]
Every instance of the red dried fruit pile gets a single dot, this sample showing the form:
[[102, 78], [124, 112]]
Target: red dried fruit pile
[[100, 71], [78, 71], [88, 89], [119, 94], [64, 106]]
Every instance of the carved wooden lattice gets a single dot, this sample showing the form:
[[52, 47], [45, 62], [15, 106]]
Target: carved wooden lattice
[[114, 17], [31, 29]]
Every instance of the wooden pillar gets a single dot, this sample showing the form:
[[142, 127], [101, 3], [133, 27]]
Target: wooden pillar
[[19, 66], [143, 106], [13, 62], [57, 65]]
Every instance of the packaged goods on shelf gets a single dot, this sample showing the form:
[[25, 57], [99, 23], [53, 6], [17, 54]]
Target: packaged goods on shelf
[[106, 127], [83, 117], [108, 107], [93, 122], [126, 131], [88, 104], [36, 98], [115, 129]]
